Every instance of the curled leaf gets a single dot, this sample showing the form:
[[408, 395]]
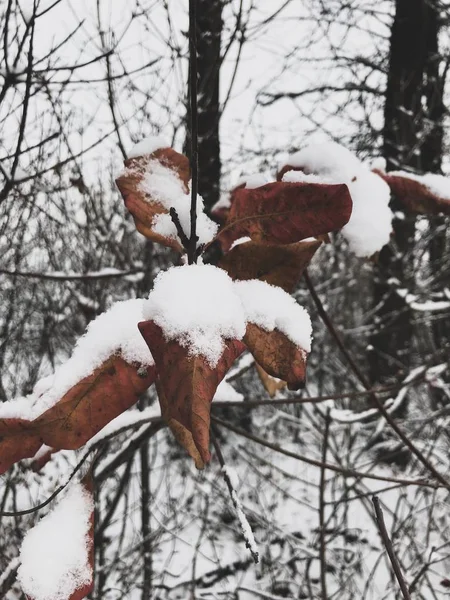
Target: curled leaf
[[143, 207], [188, 385], [415, 195], [93, 402], [18, 440], [280, 265], [271, 384], [285, 213], [277, 355]]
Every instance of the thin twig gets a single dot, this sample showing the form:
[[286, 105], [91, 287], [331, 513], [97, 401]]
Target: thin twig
[[356, 370], [181, 234], [245, 526], [323, 562], [317, 463], [192, 246], [29, 511], [390, 549]]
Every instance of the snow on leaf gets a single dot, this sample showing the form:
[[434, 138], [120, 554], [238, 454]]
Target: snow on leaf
[[57, 554], [153, 185], [143, 207], [148, 145], [285, 213], [108, 370], [93, 402], [197, 306], [427, 194], [370, 224], [280, 265], [188, 383], [271, 308]]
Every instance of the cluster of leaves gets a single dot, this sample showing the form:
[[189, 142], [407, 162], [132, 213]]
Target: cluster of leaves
[[276, 217], [286, 223]]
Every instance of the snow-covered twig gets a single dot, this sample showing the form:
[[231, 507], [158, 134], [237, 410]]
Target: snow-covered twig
[[230, 479]]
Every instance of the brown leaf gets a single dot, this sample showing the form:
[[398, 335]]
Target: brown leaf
[[415, 196], [188, 384], [181, 434], [93, 402], [140, 205], [276, 264], [287, 168], [81, 413], [285, 213], [277, 355], [271, 384], [18, 440]]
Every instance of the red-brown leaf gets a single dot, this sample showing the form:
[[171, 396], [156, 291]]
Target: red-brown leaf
[[280, 265], [142, 207], [188, 383], [415, 196], [93, 402], [81, 413], [18, 440], [277, 355], [284, 213]]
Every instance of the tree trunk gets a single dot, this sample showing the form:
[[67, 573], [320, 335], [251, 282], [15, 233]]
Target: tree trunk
[[209, 31], [391, 344]]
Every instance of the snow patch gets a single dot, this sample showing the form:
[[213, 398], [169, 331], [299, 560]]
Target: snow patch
[[114, 332], [271, 308], [201, 307], [147, 146], [197, 305], [226, 393], [54, 554], [370, 224], [163, 185]]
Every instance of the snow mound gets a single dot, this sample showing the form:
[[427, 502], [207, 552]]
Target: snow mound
[[148, 146], [201, 307], [252, 181], [114, 332], [197, 306], [163, 185], [54, 554], [370, 224], [270, 308]]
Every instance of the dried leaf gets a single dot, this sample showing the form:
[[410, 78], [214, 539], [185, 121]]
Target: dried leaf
[[272, 384], [140, 205], [276, 264], [188, 383], [18, 440], [81, 413], [285, 213], [181, 434], [415, 196], [277, 355], [93, 402]]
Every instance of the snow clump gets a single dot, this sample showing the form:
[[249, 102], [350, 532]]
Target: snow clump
[[114, 332], [55, 553], [163, 185], [201, 308], [370, 224]]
